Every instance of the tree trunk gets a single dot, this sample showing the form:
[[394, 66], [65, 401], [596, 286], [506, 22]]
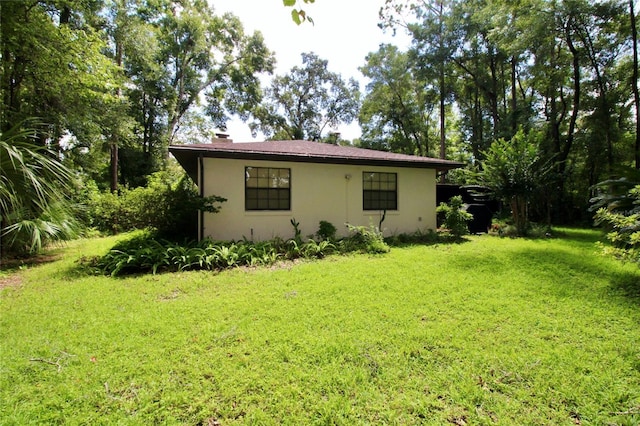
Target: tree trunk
[[443, 148], [564, 154], [113, 146], [634, 80], [514, 95], [492, 95], [519, 214], [114, 165]]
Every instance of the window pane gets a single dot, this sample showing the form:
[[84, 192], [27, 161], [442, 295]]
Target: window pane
[[251, 194], [379, 191], [251, 205], [267, 188]]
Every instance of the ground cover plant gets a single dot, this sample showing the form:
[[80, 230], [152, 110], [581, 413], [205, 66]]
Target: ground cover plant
[[146, 251], [488, 331]]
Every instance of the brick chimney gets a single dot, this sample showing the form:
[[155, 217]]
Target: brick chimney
[[221, 138]]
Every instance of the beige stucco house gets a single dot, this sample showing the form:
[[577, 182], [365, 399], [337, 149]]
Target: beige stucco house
[[267, 184]]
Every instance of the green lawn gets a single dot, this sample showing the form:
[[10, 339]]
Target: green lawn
[[490, 331]]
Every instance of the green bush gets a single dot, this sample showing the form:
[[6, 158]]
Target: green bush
[[624, 228], [168, 205], [534, 230], [326, 231], [367, 239], [455, 217], [110, 212]]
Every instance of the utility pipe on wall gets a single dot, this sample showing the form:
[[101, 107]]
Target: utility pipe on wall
[[201, 187]]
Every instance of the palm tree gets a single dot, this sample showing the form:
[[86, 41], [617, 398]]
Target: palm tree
[[34, 207]]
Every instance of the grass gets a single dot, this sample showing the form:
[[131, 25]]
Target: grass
[[490, 331]]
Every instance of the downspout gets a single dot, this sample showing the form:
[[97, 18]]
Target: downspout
[[384, 215], [201, 187], [347, 178]]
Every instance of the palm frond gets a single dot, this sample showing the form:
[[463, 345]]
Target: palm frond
[[34, 209]]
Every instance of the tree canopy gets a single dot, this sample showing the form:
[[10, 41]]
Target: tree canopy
[[398, 112], [307, 102], [565, 70], [126, 76]]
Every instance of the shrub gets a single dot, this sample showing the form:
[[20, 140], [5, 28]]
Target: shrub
[[534, 230], [297, 233], [326, 231], [109, 212], [455, 217], [624, 226], [317, 249], [168, 205], [365, 239]]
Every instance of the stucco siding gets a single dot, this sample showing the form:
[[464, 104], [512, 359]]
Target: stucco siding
[[318, 192]]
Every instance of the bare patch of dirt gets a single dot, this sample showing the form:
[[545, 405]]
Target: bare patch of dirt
[[31, 261], [13, 265], [13, 280]]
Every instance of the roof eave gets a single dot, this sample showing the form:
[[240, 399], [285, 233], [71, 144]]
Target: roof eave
[[187, 157]]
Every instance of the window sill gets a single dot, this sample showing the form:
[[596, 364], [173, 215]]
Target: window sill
[[267, 212], [380, 212]]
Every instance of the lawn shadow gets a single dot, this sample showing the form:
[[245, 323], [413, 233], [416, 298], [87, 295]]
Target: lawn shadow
[[81, 268], [622, 283], [547, 259], [84, 267], [628, 285], [11, 265], [580, 235], [404, 241]]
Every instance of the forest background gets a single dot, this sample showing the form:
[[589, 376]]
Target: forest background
[[93, 92]]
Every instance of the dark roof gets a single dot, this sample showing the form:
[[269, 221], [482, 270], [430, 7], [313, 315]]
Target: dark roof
[[301, 151]]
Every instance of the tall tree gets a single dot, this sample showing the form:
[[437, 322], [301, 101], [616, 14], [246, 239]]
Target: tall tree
[[397, 112], [210, 55], [634, 79], [433, 45], [307, 101], [184, 61], [561, 67], [120, 32], [515, 171], [53, 68]]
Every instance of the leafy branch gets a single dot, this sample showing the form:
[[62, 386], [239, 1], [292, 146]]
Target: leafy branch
[[298, 15]]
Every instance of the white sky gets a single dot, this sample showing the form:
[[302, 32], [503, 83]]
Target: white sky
[[345, 31]]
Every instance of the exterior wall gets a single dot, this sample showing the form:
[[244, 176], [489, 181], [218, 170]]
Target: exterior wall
[[318, 192]]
